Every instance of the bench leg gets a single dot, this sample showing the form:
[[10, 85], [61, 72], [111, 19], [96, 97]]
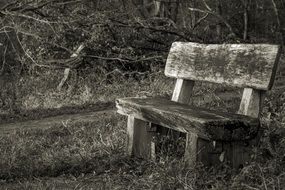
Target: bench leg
[[140, 142], [211, 153], [241, 152], [191, 148], [203, 151]]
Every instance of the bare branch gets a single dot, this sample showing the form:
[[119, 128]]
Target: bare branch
[[8, 5], [69, 2], [124, 60], [32, 18], [200, 20], [245, 19], [207, 6], [278, 22], [126, 73], [67, 70], [143, 26], [4, 60], [218, 16], [107, 58]]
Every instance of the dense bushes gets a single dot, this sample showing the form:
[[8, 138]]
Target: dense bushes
[[121, 37]]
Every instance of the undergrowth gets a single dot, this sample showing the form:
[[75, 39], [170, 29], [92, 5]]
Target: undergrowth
[[91, 155]]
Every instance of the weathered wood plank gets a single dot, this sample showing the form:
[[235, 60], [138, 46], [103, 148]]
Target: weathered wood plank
[[280, 75], [183, 91], [139, 138], [242, 65], [238, 153], [251, 102], [191, 147], [241, 152], [207, 124], [209, 152]]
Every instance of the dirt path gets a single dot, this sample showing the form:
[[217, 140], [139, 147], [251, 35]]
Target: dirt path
[[51, 121]]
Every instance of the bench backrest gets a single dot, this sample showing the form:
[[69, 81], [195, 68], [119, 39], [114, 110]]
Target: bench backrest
[[242, 65]]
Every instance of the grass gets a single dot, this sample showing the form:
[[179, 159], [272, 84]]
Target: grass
[[60, 149], [91, 155], [38, 97]]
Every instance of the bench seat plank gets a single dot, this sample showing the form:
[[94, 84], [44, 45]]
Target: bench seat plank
[[207, 124]]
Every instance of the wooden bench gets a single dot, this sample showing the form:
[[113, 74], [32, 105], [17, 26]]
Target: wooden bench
[[211, 136]]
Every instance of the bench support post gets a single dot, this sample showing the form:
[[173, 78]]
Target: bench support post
[[182, 93], [235, 153], [251, 105], [251, 102], [139, 138], [191, 149], [241, 152]]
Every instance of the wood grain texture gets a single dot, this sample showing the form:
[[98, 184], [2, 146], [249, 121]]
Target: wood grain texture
[[242, 65], [191, 149], [279, 82], [251, 102], [183, 91], [206, 124], [209, 152], [139, 139], [239, 153]]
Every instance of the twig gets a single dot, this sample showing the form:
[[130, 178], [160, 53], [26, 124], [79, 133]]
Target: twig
[[200, 20], [69, 2], [27, 7], [218, 16], [262, 176], [126, 73], [59, 46], [71, 62], [278, 22], [67, 70], [19, 49], [123, 73], [30, 8], [123, 60], [4, 60], [142, 26], [245, 17], [148, 58], [9, 4], [207, 6], [249, 187], [37, 37], [32, 18], [107, 58]]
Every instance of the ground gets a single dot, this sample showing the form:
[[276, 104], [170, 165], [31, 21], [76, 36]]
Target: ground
[[87, 150]]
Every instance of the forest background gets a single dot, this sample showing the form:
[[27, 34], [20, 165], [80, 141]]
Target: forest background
[[71, 56], [121, 38]]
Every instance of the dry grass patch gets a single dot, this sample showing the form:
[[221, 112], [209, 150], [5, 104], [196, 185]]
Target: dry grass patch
[[91, 154]]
